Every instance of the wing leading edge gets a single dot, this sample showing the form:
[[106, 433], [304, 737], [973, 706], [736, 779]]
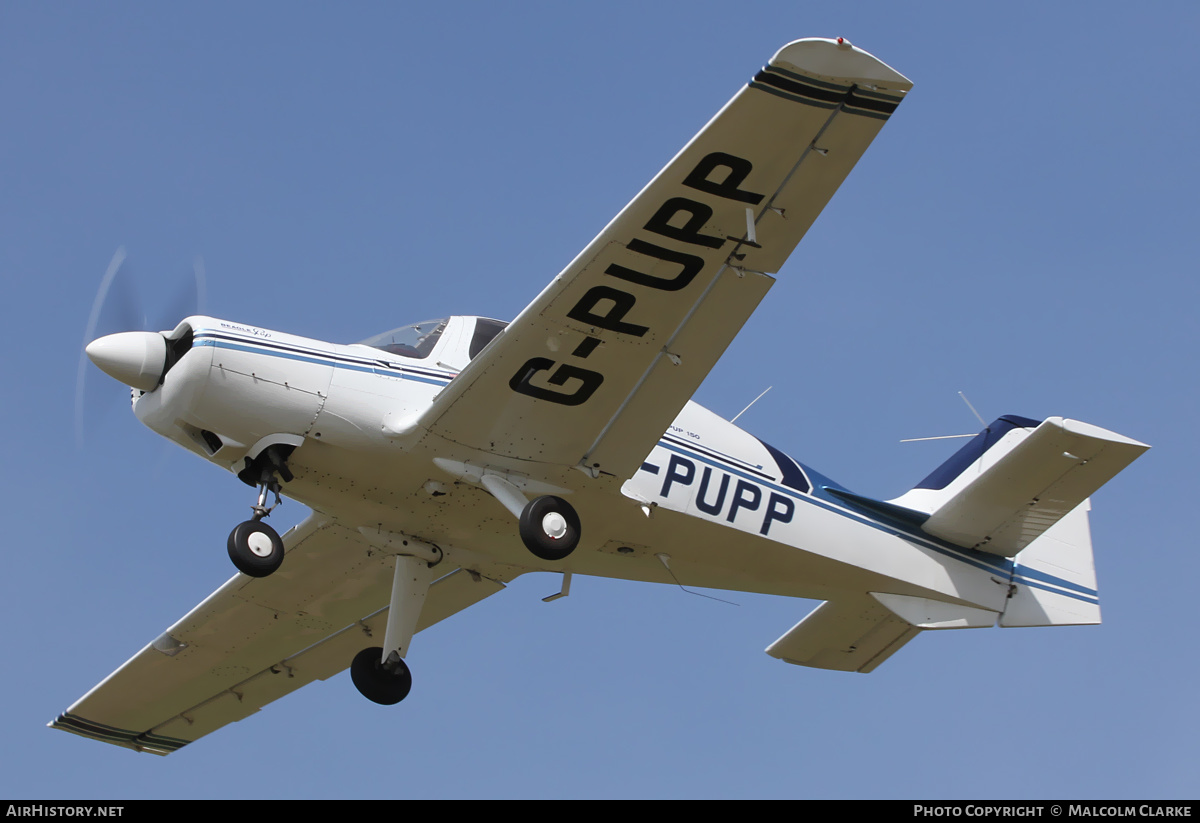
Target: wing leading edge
[[596, 368], [255, 640]]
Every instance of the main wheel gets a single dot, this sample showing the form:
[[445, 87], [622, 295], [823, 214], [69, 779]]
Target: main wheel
[[550, 527], [376, 683], [255, 548]]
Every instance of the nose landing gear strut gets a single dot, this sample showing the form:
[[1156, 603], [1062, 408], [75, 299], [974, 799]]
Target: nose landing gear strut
[[255, 548]]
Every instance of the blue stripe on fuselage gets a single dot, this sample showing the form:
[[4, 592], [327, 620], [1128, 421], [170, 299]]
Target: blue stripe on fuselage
[[286, 352]]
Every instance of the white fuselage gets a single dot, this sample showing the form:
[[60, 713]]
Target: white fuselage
[[726, 510]]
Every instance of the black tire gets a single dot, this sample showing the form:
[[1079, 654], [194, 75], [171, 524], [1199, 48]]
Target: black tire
[[376, 683], [533, 531], [255, 548]]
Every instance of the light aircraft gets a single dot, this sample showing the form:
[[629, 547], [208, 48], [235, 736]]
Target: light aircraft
[[445, 458]]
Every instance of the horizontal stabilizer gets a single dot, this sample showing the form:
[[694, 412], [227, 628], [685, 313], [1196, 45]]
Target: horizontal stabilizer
[[1019, 483], [854, 634]]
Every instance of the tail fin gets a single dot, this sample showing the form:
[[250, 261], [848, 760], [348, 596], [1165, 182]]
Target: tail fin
[[1020, 485], [1054, 578], [1016, 479]]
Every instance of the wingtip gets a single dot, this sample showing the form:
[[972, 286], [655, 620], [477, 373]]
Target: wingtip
[[1089, 430], [838, 59]]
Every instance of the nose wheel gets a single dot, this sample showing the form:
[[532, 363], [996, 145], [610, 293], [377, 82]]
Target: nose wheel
[[255, 548]]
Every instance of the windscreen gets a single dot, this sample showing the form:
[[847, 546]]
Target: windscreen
[[416, 340]]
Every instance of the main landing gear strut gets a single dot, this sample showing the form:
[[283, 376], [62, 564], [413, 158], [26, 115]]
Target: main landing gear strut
[[548, 525], [380, 673], [255, 548]]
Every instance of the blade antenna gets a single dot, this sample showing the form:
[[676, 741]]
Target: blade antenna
[[752, 402], [663, 558]]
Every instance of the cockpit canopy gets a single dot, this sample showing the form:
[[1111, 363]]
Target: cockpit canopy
[[418, 340]]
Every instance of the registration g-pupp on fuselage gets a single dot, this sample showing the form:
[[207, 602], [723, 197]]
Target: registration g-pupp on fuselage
[[445, 458]]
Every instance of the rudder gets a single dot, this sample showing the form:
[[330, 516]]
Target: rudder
[[1054, 577]]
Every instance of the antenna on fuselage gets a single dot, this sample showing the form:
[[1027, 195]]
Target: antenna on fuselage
[[982, 422], [752, 402], [939, 437], [663, 558], [978, 416]]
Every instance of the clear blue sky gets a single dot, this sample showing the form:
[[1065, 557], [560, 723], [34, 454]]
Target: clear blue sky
[[1023, 230]]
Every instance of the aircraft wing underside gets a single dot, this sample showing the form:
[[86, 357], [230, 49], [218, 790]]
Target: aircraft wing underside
[[596, 368], [254, 640]]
